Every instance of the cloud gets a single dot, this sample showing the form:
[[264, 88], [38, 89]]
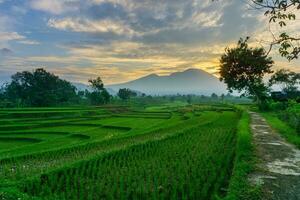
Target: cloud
[[207, 20], [124, 39], [29, 42], [91, 26], [7, 33], [55, 6], [7, 36], [5, 23], [166, 21], [19, 10]]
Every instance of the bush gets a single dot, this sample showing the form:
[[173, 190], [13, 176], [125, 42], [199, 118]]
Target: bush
[[291, 115], [264, 106], [275, 106]]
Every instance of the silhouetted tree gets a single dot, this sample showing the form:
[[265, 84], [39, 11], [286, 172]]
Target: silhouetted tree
[[214, 96], [39, 88], [223, 97], [99, 95], [189, 99], [126, 93], [97, 84], [106, 96], [242, 68]]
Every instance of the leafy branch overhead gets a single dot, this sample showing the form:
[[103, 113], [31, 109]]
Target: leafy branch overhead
[[280, 12]]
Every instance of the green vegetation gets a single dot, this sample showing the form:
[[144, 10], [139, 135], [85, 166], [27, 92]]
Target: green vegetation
[[171, 168], [239, 187], [125, 93], [285, 118], [242, 68], [117, 152], [283, 128], [288, 81], [39, 88], [282, 12], [100, 95]]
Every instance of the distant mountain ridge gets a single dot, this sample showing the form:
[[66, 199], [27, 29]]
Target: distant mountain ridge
[[191, 81]]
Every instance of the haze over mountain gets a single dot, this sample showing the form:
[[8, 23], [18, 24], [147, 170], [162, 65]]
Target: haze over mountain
[[191, 81]]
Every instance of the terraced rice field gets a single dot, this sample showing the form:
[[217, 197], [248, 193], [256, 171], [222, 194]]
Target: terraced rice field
[[117, 152]]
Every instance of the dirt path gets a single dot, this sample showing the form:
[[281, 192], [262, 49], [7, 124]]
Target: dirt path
[[279, 162]]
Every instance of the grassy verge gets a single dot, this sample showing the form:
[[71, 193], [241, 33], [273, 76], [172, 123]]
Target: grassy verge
[[285, 130], [239, 186]]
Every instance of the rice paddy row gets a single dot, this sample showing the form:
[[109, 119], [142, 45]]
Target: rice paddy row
[[68, 143]]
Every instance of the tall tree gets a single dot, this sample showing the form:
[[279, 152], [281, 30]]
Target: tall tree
[[126, 93], [99, 95], [39, 88], [242, 68], [214, 96], [97, 84]]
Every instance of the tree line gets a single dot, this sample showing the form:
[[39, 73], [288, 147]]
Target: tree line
[[41, 89], [243, 69]]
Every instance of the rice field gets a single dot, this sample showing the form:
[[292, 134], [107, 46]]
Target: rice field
[[117, 152]]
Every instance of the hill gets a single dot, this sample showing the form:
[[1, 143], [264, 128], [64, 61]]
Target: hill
[[191, 81]]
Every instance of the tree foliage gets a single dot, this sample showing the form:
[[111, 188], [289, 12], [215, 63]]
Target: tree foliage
[[242, 68], [38, 88], [126, 93], [97, 84], [214, 96], [287, 79], [280, 12], [100, 95]]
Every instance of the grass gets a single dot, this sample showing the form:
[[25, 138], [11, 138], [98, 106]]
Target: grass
[[244, 163], [59, 157], [142, 171], [285, 130], [7, 142], [122, 152]]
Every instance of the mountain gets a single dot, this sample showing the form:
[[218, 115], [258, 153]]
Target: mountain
[[191, 81]]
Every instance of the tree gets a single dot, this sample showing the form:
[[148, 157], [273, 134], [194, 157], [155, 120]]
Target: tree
[[38, 88], [2, 95], [288, 80], [214, 96], [223, 97], [106, 96], [126, 93], [97, 84], [280, 12], [189, 99], [242, 68], [100, 95]]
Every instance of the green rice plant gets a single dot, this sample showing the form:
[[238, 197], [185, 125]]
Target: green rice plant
[[193, 164], [43, 159]]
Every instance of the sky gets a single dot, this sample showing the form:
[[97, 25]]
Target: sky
[[121, 40]]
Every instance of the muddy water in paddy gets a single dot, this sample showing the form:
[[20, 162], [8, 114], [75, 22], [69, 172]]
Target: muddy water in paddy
[[278, 168]]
